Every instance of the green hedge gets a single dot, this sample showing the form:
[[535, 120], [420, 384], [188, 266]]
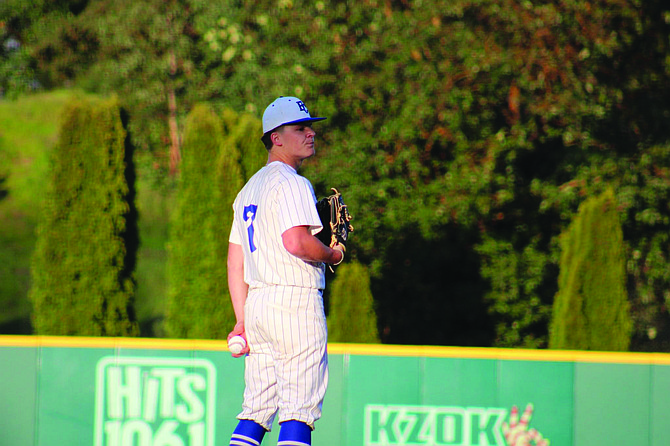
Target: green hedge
[[212, 173], [351, 315], [198, 299], [591, 309], [82, 266]]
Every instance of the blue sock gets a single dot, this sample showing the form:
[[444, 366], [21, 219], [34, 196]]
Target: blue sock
[[295, 433], [247, 433]]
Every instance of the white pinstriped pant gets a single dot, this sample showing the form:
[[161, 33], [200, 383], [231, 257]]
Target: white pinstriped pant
[[286, 370]]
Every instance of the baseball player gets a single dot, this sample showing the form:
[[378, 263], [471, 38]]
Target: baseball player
[[276, 276]]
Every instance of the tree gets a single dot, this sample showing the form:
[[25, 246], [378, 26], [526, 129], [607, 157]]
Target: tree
[[591, 309], [351, 316], [477, 117], [24, 23], [496, 117], [143, 50], [474, 129], [198, 300], [83, 263]]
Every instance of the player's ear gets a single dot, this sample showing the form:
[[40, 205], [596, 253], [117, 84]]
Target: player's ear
[[275, 137]]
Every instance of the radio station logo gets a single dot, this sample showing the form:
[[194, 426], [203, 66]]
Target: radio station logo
[[143, 401], [394, 425]]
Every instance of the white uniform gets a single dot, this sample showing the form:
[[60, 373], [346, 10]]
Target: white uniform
[[286, 369]]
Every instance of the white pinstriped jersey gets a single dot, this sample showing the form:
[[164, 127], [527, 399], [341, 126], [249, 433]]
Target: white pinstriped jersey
[[275, 199]]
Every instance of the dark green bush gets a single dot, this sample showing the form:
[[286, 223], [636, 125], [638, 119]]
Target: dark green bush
[[351, 316], [82, 267], [591, 309], [198, 300]]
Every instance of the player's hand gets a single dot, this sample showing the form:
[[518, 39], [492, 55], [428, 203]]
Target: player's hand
[[516, 432], [239, 331]]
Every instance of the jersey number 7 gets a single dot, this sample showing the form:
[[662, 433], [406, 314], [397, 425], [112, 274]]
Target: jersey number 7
[[249, 217]]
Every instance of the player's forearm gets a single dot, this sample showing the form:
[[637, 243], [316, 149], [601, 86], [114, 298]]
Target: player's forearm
[[315, 251], [302, 244], [236, 285], [238, 296]]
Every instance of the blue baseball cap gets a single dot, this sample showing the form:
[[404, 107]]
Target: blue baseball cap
[[286, 110]]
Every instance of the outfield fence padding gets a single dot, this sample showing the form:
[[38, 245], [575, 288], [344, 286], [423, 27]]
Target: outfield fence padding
[[158, 392]]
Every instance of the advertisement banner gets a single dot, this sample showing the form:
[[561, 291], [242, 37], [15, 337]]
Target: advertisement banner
[[139, 392]]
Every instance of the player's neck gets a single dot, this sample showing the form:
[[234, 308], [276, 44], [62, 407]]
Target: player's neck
[[283, 158]]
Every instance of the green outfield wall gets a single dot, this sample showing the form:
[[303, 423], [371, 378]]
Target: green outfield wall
[[121, 392]]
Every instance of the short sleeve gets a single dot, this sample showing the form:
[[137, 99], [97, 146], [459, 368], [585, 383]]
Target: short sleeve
[[297, 205], [235, 233]]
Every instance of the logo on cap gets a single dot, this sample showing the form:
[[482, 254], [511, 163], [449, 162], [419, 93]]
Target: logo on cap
[[283, 112]]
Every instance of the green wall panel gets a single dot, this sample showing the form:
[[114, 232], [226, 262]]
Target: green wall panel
[[612, 404], [548, 386], [660, 406], [375, 380], [459, 382], [18, 395], [99, 392], [67, 395], [334, 424]]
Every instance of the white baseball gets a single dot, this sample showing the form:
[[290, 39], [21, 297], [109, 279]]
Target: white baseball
[[236, 345]]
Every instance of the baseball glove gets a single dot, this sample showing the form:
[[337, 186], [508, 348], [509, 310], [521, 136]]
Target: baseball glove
[[335, 219]]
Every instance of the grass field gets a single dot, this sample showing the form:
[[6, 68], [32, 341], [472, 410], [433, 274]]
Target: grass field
[[28, 132]]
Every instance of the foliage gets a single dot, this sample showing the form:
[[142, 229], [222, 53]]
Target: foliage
[[16, 77], [475, 114], [449, 117], [591, 309], [83, 263], [198, 299], [142, 50], [644, 197], [23, 23], [517, 279], [464, 135], [351, 315]]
